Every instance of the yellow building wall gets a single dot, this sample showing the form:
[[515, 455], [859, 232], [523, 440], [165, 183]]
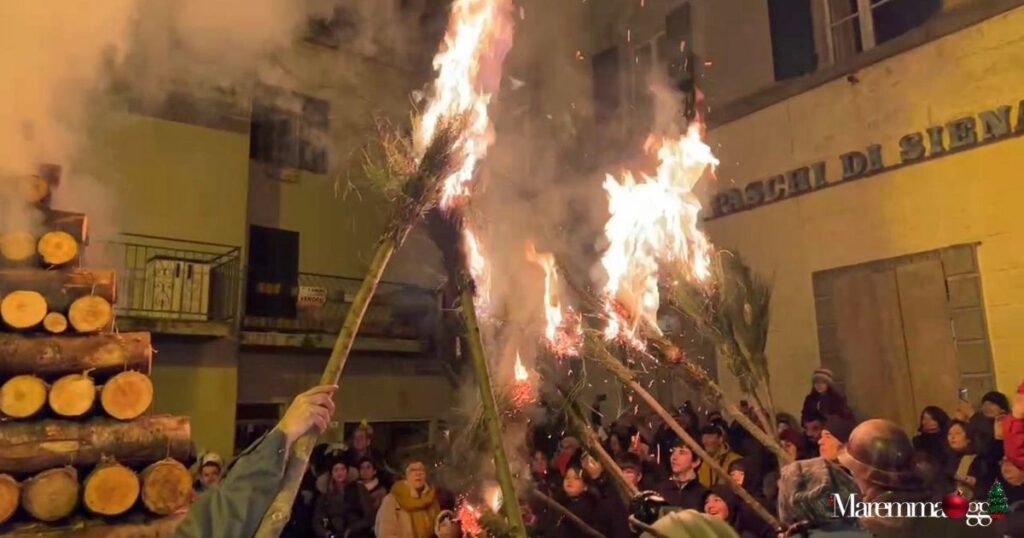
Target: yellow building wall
[[968, 197]]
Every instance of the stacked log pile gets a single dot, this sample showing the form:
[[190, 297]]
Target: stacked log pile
[[79, 452]]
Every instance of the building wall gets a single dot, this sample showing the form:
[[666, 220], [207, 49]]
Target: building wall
[[961, 198]]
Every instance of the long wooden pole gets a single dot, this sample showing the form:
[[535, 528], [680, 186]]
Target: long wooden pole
[[557, 507], [276, 517], [593, 444], [629, 380], [510, 503]]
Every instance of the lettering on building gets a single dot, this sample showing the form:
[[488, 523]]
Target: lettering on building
[[957, 135]]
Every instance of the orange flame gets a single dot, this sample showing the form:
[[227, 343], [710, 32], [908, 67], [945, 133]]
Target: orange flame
[[520, 370], [478, 270], [469, 519], [653, 225], [562, 328], [468, 70]]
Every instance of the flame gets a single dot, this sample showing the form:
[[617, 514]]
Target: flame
[[478, 270], [468, 69], [562, 327], [521, 373], [469, 519], [653, 226]]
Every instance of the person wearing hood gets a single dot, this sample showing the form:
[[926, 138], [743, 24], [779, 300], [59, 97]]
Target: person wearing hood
[[411, 509], [721, 503], [713, 439], [338, 507], [683, 489], [825, 398]]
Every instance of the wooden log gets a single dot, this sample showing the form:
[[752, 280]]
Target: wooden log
[[73, 395], [51, 495], [166, 487], [90, 314], [57, 355], [55, 323], [127, 395], [60, 288], [32, 447], [101, 528], [17, 246], [10, 496], [34, 189], [75, 224], [22, 396], [57, 247], [110, 489], [23, 309]]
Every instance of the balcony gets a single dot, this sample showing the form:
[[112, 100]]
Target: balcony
[[401, 318], [174, 286]]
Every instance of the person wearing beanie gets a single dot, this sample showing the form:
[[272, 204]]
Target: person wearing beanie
[[825, 398], [834, 435], [1013, 430]]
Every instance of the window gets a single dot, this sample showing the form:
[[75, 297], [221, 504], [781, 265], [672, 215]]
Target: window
[[289, 131], [792, 33], [607, 97], [273, 272], [859, 25], [332, 31]]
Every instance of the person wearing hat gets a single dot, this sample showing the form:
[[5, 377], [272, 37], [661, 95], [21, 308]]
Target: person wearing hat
[[825, 398], [834, 434], [721, 503], [210, 467], [683, 489]]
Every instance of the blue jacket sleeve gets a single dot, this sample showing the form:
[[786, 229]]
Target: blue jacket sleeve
[[236, 506]]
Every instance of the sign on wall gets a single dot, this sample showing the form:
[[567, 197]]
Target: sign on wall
[[955, 136], [311, 296]]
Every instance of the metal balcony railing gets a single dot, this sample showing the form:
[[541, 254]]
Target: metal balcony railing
[[162, 278], [397, 310]]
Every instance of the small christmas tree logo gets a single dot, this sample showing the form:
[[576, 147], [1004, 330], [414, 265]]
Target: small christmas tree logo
[[997, 506]]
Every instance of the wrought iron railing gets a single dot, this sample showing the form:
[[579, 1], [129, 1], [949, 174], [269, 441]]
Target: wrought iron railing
[[168, 278], [396, 311]]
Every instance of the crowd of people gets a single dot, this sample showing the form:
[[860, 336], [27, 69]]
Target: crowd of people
[[350, 492]]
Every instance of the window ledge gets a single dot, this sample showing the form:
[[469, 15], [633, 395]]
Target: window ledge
[[942, 25]]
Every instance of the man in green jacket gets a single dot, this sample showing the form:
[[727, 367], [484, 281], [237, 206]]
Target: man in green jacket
[[236, 506]]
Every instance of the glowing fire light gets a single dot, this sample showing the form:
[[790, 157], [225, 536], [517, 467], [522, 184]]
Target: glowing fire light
[[562, 329], [522, 389], [469, 519], [478, 270], [521, 373], [653, 225], [468, 69]]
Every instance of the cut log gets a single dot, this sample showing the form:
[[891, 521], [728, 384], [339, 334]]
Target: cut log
[[23, 309], [34, 189], [73, 395], [17, 246], [101, 528], [110, 489], [31, 447], [10, 496], [90, 313], [50, 356], [75, 224], [166, 487], [22, 396], [55, 323], [57, 247], [127, 395], [51, 495], [60, 288]]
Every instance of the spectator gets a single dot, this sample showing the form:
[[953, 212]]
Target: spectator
[[632, 469], [210, 467], [825, 398], [834, 436], [713, 439], [338, 507], [410, 510], [361, 446], [567, 449], [682, 488], [602, 486], [370, 492], [971, 474], [665, 438], [618, 443], [805, 488], [930, 443], [813, 424], [1013, 430], [987, 422], [791, 442], [540, 471], [721, 503], [577, 497]]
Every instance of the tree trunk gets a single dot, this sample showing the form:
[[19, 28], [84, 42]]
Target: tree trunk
[[17, 247], [60, 288], [51, 495], [56, 355], [73, 395], [110, 489], [10, 496], [74, 224], [166, 487], [32, 447], [127, 395], [22, 396], [55, 323], [57, 248], [23, 309], [90, 314]]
